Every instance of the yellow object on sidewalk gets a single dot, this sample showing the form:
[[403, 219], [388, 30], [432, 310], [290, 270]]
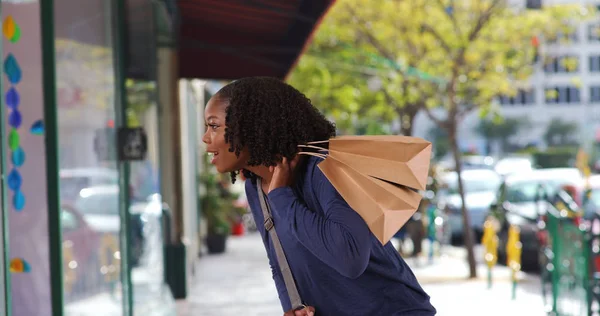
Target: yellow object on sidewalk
[[513, 254], [490, 243]]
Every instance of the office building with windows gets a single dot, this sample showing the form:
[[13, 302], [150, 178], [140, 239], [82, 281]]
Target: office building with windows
[[565, 86]]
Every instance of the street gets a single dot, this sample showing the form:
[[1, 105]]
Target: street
[[239, 283]]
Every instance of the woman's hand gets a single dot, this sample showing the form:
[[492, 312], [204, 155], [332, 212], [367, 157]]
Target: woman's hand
[[307, 311], [283, 173]]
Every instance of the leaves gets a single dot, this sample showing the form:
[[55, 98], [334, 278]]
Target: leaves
[[387, 58]]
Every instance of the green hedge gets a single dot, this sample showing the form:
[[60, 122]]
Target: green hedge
[[554, 157]]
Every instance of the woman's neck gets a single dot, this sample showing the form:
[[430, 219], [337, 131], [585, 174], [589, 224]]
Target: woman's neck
[[262, 172]]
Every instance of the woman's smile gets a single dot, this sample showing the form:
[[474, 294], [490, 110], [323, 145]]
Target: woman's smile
[[214, 156]]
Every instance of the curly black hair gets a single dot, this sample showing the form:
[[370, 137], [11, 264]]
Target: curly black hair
[[270, 118]]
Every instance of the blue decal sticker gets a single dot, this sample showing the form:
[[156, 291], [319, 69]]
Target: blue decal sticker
[[14, 180], [37, 128], [19, 201], [12, 69], [12, 98], [18, 157], [15, 119]]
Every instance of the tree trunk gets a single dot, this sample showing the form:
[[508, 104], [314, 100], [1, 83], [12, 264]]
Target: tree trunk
[[468, 235], [407, 130], [406, 118]]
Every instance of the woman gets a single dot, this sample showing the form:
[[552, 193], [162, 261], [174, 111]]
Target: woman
[[254, 125]]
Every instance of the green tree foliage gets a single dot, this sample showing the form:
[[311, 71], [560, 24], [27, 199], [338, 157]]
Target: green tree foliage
[[391, 59], [439, 139], [502, 130], [561, 133]]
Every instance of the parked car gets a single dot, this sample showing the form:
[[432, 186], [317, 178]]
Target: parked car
[[522, 200], [80, 251], [469, 163], [510, 165], [480, 187], [100, 208], [72, 181]]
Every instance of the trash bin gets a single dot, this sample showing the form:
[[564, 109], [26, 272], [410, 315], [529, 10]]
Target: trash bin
[[174, 257]]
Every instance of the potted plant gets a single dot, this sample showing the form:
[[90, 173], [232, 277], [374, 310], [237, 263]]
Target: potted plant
[[219, 210]]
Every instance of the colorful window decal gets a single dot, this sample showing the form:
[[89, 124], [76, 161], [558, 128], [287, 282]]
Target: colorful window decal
[[12, 98], [19, 265], [12, 70], [11, 30], [14, 180], [37, 128], [17, 157], [19, 200]]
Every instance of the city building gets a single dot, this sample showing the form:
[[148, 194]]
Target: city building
[[565, 86]]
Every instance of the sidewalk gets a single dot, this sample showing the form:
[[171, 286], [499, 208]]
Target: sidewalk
[[452, 294], [239, 283]]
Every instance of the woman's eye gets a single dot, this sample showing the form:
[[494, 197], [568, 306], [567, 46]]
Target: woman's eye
[[213, 126]]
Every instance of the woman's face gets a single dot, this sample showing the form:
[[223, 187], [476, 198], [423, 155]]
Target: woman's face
[[214, 138]]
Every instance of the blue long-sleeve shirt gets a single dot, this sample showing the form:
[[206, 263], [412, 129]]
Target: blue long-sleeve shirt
[[339, 267]]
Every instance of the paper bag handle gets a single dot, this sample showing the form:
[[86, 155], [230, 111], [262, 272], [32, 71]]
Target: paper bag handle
[[322, 156], [318, 142]]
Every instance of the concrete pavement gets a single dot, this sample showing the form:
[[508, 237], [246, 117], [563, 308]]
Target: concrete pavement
[[239, 282]]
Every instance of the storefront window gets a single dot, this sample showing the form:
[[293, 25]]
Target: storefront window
[[85, 83], [25, 159], [150, 293]]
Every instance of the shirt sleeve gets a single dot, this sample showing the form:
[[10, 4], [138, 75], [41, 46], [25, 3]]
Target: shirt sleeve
[[339, 236]]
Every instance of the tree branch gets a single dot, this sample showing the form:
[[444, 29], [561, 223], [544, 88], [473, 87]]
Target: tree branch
[[370, 38], [440, 123], [451, 17], [390, 99], [484, 18], [428, 29]]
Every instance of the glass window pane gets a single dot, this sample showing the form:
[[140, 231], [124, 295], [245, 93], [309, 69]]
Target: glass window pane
[[530, 97], [88, 169], [150, 293], [562, 95], [26, 160]]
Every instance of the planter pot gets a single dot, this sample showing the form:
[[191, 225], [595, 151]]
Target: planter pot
[[175, 269], [216, 243], [237, 229]]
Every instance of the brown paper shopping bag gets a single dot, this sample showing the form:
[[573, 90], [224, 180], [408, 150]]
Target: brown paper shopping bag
[[374, 175], [385, 207], [400, 159]]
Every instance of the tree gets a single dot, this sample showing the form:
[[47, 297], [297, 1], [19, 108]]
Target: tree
[[560, 133], [341, 89], [439, 139], [454, 55], [501, 130], [345, 74]]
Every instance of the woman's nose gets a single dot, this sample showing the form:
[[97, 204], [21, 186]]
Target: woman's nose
[[206, 138]]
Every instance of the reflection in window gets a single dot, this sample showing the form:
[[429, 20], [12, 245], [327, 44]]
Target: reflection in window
[[99, 201], [68, 220], [85, 80]]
